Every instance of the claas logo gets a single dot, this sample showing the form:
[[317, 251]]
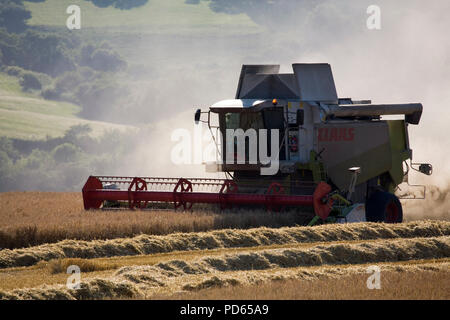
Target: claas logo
[[336, 134]]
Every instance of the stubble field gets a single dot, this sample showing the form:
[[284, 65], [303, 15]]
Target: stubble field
[[208, 255]]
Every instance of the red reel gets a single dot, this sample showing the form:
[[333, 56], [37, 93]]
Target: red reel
[[229, 186], [274, 189], [322, 204], [137, 184], [183, 185]]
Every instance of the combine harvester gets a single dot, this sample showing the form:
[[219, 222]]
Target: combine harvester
[[335, 155]]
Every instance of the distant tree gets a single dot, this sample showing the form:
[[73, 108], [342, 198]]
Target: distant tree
[[14, 71], [45, 52], [9, 46], [99, 98], [119, 4], [13, 15], [67, 82], [102, 3], [101, 58], [36, 159], [7, 146], [66, 152], [106, 60], [129, 4], [30, 81], [5, 167], [86, 54], [77, 131], [86, 73], [264, 12], [50, 94], [37, 51]]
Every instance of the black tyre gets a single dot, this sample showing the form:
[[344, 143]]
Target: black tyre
[[384, 207]]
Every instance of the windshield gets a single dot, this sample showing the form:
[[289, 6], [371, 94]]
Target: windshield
[[267, 119], [244, 121]]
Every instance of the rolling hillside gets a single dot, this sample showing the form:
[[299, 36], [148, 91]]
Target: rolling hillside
[[157, 16], [30, 117]]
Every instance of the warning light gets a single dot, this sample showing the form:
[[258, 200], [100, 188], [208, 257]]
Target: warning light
[[274, 102]]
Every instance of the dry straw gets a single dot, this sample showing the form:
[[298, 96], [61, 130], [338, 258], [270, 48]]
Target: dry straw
[[229, 238], [250, 267]]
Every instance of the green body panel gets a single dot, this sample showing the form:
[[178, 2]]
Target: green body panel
[[370, 166], [379, 148], [368, 147], [399, 151]]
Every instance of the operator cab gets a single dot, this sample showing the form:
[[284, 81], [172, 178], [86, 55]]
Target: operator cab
[[254, 117]]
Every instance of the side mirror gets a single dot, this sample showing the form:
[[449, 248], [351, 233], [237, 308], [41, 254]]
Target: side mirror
[[197, 116], [426, 168], [300, 117]]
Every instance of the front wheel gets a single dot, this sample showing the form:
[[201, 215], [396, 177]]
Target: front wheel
[[384, 207]]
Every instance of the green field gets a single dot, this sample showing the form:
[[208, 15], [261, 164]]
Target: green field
[[27, 116], [157, 16]]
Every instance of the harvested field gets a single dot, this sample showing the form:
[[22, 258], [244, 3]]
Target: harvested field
[[429, 284], [119, 262], [252, 265], [33, 218], [142, 286], [335, 254], [229, 238]]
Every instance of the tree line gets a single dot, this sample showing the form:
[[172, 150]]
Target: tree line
[[63, 163]]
